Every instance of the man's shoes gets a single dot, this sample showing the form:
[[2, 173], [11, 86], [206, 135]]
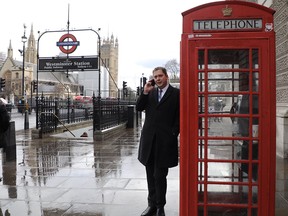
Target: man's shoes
[[160, 212], [149, 211]]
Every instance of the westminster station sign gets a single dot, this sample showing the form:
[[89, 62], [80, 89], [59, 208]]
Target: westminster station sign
[[232, 24], [71, 63]]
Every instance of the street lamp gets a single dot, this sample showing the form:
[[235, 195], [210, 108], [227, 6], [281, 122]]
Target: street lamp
[[24, 39], [99, 62], [26, 120]]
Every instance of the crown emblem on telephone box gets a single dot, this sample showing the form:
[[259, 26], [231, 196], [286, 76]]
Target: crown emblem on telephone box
[[227, 11]]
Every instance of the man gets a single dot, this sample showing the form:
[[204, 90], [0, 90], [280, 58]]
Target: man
[[158, 149]]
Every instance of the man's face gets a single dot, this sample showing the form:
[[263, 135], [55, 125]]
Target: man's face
[[160, 78]]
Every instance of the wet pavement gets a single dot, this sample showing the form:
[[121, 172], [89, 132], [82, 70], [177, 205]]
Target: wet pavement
[[61, 175]]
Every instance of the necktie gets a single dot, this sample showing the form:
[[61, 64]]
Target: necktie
[[160, 94]]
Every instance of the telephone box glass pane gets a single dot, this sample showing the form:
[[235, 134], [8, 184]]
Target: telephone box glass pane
[[244, 81], [219, 126], [223, 81], [228, 58], [255, 195], [228, 82], [227, 194], [255, 171], [243, 104], [201, 149], [224, 194], [255, 104], [227, 211], [255, 58], [242, 127], [223, 172], [245, 155], [244, 172], [255, 81], [201, 59], [221, 103], [201, 81], [228, 171], [255, 128], [201, 102], [218, 103], [222, 149]]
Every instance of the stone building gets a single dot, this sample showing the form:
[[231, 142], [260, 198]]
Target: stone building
[[31, 51], [109, 60]]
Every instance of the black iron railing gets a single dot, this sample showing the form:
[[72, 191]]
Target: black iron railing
[[106, 113]]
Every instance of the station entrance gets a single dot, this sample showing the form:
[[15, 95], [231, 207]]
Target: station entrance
[[227, 141]]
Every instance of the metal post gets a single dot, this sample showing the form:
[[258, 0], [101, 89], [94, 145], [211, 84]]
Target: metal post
[[68, 107], [24, 39], [99, 64], [94, 112], [26, 119]]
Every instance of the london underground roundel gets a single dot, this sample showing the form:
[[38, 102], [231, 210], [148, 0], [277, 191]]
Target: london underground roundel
[[69, 46]]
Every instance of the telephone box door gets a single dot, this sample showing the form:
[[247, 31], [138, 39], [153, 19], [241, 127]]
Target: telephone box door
[[230, 97]]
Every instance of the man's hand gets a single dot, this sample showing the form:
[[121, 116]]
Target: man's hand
[[148, 87]]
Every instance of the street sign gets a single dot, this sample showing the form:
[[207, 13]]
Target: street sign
[[72, 63], [70, 45]]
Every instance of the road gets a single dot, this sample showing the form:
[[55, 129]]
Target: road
[[18, 118]]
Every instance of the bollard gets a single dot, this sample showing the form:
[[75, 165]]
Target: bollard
[[10, 147], [26, 120], [130, 123]]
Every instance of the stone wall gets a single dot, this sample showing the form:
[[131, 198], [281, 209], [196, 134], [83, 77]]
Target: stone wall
[[281, 30]]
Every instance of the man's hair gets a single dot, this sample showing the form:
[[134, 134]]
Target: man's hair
[[162, 69]]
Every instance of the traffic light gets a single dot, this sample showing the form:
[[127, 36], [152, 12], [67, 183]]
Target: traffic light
[[2, 83], [124, 85], [125, 90], [138, 90], [35, 86], [144, 81]]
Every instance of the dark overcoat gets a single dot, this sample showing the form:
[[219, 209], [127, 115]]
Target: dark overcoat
[[162, 124]]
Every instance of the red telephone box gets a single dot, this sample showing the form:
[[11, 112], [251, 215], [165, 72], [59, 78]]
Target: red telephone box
[[227, 141]]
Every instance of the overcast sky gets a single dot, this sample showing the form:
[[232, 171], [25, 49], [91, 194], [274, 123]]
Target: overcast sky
[[149, 32]]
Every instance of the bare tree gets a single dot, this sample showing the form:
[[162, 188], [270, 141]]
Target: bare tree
[[173, 68]]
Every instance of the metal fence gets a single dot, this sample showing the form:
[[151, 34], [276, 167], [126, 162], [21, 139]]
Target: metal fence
[[106, 113]]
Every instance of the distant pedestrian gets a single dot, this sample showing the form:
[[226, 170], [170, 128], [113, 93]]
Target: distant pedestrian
[[233, 110], [158, 148]]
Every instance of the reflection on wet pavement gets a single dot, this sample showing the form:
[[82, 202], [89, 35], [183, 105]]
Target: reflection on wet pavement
[[60, 176]]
